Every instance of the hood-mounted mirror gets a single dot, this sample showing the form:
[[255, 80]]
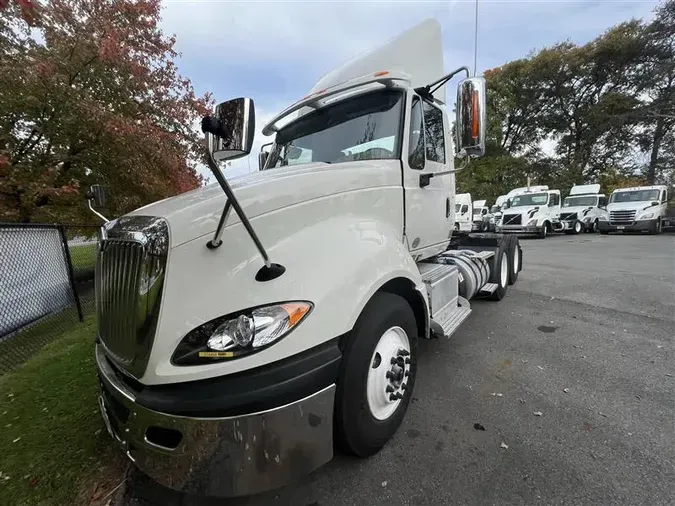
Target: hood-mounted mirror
[[229, 135]]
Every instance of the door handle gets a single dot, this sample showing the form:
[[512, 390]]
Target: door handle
[[447, 207]]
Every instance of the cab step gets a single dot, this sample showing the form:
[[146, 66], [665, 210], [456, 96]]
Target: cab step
[[450, 318], [488, 289]]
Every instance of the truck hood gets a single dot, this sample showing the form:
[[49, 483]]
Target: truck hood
[[574, 209], [523, 210], [196, 213], [628, 206]]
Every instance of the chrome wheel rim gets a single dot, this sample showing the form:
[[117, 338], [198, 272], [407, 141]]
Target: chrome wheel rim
[[388, 373], [504, 274]]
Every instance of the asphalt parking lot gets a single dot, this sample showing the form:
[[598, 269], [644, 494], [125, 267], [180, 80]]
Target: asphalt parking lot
[[574, 372]]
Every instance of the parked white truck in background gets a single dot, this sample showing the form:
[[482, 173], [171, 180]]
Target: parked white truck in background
[[636, 209], [480, 216], [463, 212], [235, 348], [532, 210], [583, 208]]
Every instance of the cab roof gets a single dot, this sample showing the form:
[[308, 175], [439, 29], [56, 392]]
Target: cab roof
[[413, 59]]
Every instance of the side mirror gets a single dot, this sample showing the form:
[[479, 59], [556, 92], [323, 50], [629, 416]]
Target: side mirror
[[656, 203], [97, 194], [471, 117], [230, 130]]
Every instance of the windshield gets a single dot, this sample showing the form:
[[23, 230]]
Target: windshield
[[495, 209], [635, 196], [531, 199], [362, 128], [581, 201]]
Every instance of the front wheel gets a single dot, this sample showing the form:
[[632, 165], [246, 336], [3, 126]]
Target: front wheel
[[657, 227], [377, 375], [544, 231], [578, 227]]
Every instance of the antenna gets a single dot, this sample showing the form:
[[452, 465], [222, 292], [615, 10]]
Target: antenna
[[475, 42]]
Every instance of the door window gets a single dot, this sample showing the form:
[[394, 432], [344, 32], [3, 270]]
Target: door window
[[427, 136]]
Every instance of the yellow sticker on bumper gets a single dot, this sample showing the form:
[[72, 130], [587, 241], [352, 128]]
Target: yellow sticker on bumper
[[216, 354]]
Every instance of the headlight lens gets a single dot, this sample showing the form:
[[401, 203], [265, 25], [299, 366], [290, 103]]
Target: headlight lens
[[239, 334], [602, 217], [647, 216], [532, 222]]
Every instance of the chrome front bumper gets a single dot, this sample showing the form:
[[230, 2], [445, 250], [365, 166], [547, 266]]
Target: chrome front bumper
[[220, 457]]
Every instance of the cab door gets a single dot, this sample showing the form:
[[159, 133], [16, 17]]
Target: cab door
[[427, 198]]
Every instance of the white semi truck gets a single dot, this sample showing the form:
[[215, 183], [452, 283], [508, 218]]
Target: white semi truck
[[636, 209], [532, 210], [480, 216], [583, 208], [463, 212], [247, 328]]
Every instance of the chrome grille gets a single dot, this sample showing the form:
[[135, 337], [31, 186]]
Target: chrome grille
[[129, 279], [622, 217], [568, 216], [512, 219]]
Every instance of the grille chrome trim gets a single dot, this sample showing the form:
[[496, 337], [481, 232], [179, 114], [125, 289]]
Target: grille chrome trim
[[622, 217], [512, 219], [130, 271]]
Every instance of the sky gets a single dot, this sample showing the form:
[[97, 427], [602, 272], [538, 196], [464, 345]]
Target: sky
[[274, 52]]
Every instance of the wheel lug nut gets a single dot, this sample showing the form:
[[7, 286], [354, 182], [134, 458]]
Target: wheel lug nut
[[394, 361], [389, 375], [407, 373], [403, 353], [407, 360], [398, 395], [392, 397], [389, 389], [404, 386]]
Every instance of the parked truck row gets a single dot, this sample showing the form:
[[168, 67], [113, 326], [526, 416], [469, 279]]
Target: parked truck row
[[538, 210]]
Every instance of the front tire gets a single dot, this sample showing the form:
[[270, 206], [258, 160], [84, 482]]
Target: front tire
[[377, 375], [578, 227], [657, 227], [544, 231]]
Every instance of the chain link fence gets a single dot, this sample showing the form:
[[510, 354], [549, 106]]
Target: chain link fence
[[46, 285]]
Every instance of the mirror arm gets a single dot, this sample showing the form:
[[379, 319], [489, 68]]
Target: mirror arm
[[91, 208], [217, 241], [425, 179], [213, 165], [269, 271]]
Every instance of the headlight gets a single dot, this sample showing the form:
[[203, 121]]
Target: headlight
[[238, 334], [532, 222], [588, 218], [602, 217], [647, 216]]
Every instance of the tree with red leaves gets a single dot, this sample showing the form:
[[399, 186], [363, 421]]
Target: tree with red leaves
[[90, 93]]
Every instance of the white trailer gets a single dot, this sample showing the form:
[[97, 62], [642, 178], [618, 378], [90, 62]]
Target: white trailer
[[636, 209], [531, 210], [246, 328], [583, 208]]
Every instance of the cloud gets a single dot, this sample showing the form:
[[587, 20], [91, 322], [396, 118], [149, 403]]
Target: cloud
[[274, 52]]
